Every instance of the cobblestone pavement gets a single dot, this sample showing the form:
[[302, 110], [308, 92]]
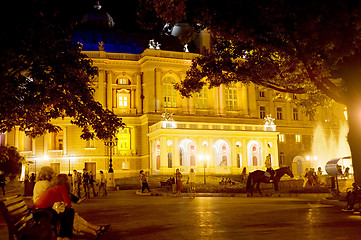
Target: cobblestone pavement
[[134, 216]]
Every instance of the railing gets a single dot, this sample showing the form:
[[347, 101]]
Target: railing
[[210, 126]]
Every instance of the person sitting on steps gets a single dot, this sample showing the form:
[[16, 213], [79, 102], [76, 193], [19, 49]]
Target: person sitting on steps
[[353, 196]]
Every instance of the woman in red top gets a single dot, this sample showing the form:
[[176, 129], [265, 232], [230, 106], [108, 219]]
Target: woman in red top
[[59, 193]]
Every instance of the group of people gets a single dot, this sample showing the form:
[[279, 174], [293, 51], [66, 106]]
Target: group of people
[[225, 181], [177, 185], [52, 193], [85, 181], [311, 177]]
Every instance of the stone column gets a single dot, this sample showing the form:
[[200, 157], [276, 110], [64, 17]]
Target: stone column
[[158, 91], [138, 92], [244, 101], [109, 91]]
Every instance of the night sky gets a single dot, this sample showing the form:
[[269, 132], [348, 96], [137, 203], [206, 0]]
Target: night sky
[[123, 12]]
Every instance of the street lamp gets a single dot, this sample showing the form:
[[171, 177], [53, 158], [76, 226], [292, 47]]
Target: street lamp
[[70, 158], [110, 144], [204, 159], [35, 165]]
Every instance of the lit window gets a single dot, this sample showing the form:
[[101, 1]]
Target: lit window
[[56, 140], [295, 114], [298, 138], [231, 97], [123, 81], [169, 93], [124, 139], [90, 143], [261, 94], [123, 98], [125, 165], [201, 100], [281, 138], [282, 158], [262, 112], [123, 101], [279, 113], [28, 143]]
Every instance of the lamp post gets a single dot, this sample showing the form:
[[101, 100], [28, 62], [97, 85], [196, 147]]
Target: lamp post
[[70, 158], [110, 144], [204, 159], [35, 165]]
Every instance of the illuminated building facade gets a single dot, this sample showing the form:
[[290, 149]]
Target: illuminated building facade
[[223, 129]]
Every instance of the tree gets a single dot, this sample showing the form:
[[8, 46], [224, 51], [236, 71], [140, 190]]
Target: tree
[[44, 75], [10, 160], [311, 47]]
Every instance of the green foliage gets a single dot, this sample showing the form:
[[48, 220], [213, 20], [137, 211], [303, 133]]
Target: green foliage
[[44, 75], [289, 46], [10, 160]]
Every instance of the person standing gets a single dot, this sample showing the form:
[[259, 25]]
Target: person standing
[[76, 183], [102, 184], [305, 177], [2, 182], [86, 179], [91, 183], [178, 180], [191, 181], [244, 175], [144, 180]]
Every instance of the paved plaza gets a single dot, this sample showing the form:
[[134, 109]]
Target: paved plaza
[[134, 216]]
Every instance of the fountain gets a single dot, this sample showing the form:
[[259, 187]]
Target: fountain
[[326, 148]]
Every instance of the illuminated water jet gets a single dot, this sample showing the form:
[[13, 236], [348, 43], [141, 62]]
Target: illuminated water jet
[[328, 146]]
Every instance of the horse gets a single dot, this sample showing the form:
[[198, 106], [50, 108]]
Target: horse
[[259, 176]]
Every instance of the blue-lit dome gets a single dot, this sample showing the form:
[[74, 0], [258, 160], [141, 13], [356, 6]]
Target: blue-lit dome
[[97, 19]]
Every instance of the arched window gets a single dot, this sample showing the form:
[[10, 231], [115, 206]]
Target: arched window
[[123, 81], [157, 156], [188, 153], [181, 157], [254, 153], [192, 160], [169, 93], [222, 153]]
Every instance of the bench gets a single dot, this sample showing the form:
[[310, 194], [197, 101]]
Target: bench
[[165, 184], [20, 221]]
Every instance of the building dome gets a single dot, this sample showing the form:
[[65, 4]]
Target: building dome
[[97, 19]]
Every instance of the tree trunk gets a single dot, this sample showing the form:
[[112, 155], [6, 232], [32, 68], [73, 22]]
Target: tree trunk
[[354, 137]]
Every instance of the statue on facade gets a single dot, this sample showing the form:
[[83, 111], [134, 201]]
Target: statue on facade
[[101, 46], [167, 116]]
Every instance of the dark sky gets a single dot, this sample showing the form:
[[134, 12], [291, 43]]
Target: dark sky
[[123, 12]]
